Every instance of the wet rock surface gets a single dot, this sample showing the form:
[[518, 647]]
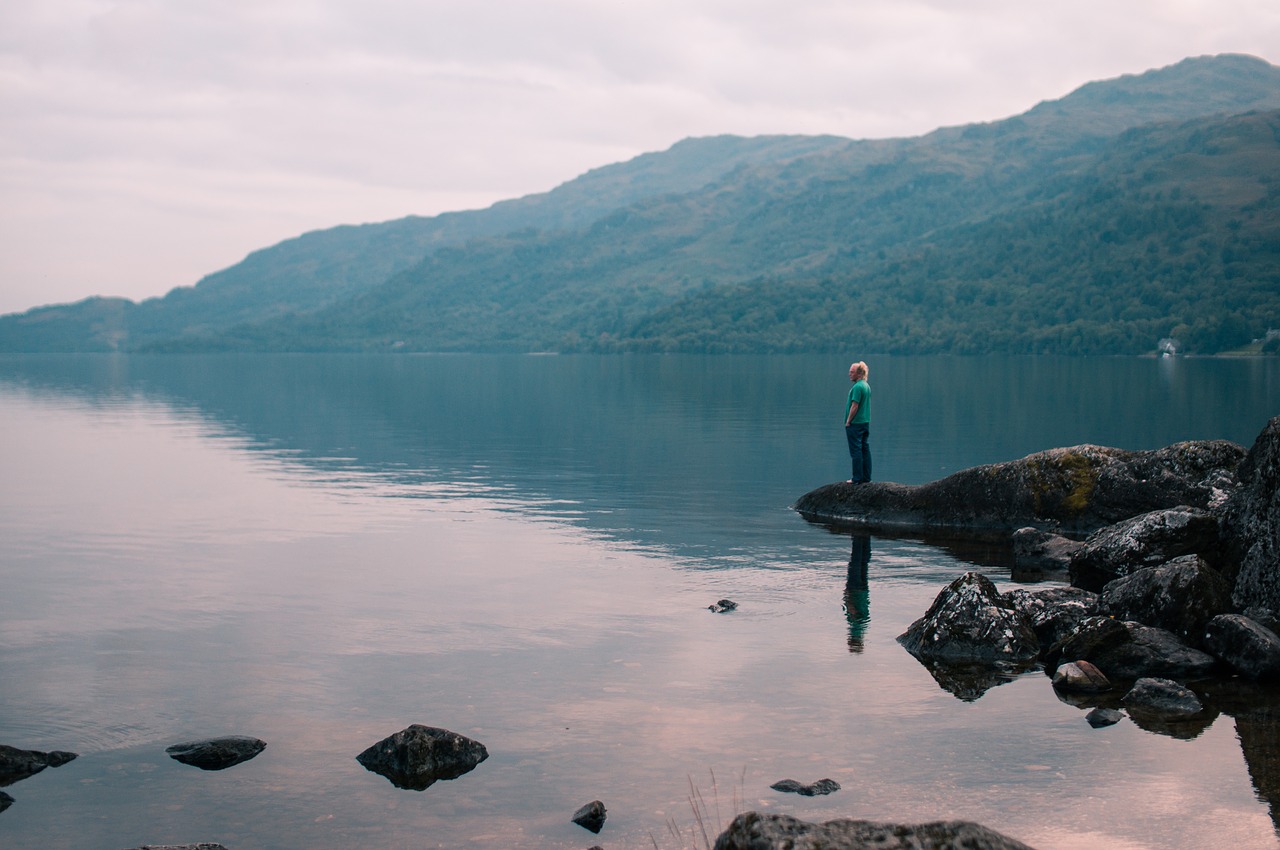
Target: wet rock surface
[[1127, 651], [417, 757], [756, 831], [1081, 677], [217, 753], [1100, 717], [1145, 540], [1040, 554], [1053, 612], [1162, 697], [1077, 489]]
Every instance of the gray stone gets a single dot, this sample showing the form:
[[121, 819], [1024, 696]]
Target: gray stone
[[816, 789], [1078, 489], [591, 816], [5, 801], [417, 757], [1249, 649], [1125, 651], [1251, 524], [1162, 697], [723, 606], [1081, 677], [1041, 554], [217, 753], [757, 831], [1146, 540], [1053, 612], [1101, 717], [16, 764], [1180, 596], [969, 622]]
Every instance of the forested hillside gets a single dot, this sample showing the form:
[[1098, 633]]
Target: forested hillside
[[1130, 210]]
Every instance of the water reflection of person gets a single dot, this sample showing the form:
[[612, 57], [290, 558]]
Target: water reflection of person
[[857, 593]]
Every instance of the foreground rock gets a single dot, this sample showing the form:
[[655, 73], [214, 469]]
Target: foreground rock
[[1147, 540], [5, 801], [1053, 612], [1251, 524], [417, 757], [1081, 677], [16, 764], [1078, 490], [1162, 697], [1039, 554], [1181, 596], [217, 753], [969, 622], [756, 831]]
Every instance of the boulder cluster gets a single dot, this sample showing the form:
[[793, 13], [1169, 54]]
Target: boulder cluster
[[1157, 601]]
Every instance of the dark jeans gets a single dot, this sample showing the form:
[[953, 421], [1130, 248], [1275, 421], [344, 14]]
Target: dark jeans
[[859, 437]]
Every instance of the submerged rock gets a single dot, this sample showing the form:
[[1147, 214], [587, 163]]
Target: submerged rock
[[1180, 596], [816, 789], [1145, 540], [1249, 649], [1162, 697], [5, 801], [723, 606], [16, 764], [1077, 489], [417, 757], [1101, 717], [1251, 524], [757, 831], [591, 816], [217, 753], [969, 622]]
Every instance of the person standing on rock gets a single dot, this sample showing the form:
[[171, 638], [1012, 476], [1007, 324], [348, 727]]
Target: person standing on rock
[[857, 423]]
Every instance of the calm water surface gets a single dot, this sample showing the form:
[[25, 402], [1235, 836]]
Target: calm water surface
[[321, 550]]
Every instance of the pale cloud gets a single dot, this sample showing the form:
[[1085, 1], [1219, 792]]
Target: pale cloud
[[146, 143]]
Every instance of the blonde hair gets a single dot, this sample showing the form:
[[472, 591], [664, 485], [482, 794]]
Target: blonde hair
[[860, 368]]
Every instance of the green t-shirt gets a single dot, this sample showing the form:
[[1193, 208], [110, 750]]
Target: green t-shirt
[[861, 393]]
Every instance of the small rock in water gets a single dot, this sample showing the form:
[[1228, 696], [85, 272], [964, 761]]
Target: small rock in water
[[591, 816], [722, 606], [1081, 676], [1163, 697], [417, 757], [204, 845], [1100, 717], [217, 753], [817, 789], [16, 764], [5, 801]]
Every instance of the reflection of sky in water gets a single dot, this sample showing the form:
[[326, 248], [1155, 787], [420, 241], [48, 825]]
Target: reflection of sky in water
[[170, 574]]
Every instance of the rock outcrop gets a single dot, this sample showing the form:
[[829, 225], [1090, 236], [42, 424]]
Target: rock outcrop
[[1251, 524], [1127, 651], [1077, 490], [417, 757], [1040, 554], [969, 622], [1247, 648], [217, 753], [1180, 596], [756, 831]]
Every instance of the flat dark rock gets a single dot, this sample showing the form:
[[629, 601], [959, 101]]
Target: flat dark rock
[[1100, 717], [590, 816], [757, 831], [1077, 490], [5, 801], [815, 789], [216, 753]]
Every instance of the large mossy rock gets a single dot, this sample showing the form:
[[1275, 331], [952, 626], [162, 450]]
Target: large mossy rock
[[1251, 524], [756, 831], [1075, 490]]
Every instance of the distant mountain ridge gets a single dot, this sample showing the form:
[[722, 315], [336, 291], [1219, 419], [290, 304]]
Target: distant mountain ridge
[[1019, 235]]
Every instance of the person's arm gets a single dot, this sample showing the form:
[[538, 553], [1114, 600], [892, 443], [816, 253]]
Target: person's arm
[[853, 411]]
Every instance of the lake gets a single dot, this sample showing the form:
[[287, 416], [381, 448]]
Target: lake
[[321, 550]]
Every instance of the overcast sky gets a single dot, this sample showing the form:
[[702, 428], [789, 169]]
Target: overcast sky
[[146, 143]]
